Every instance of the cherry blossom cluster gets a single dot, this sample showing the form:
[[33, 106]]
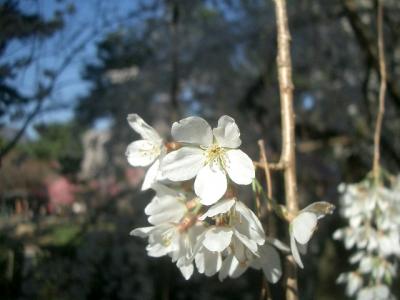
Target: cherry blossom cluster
[[196, 217], [373, 213]]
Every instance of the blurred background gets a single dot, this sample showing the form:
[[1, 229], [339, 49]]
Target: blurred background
[[71, 71]]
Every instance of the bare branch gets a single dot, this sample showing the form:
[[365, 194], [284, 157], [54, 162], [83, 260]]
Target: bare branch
[[367, 44], [382, 90], [41, 96], [288, 158]]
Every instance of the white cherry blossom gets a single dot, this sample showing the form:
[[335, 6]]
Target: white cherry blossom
[[168, 205], [353, 281], [303, 226], [209, 155], [235, 243], [174, 239], [147, 151]]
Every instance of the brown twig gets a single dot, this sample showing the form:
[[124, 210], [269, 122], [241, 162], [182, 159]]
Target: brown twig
[[264, 162], [258, 205], [265, 291], [366, 41], [288, 158], [382, 91]]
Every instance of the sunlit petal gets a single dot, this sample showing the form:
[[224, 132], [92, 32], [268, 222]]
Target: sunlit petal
[[192, 130], [239, 167], [141, 127], [182, 164], [227, 133], [142, 153], [210, 184]]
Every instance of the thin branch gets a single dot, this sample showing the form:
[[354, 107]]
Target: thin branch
[[367, 44], [288, 158], [382, 90], [41, 96], [264, 162], [13, 142], [265, 291]]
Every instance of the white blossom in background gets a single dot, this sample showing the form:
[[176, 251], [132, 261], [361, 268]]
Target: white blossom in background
[[373, 232], [147, 151], [209, 155], [303, 226]]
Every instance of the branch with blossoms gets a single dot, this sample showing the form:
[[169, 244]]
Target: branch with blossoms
[[372, 209], [197, 217]]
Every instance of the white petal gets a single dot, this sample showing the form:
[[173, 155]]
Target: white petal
[[200, 261], [182, 164], [240, 250], [217, 238], [295, 251], [250, 244], [227, 133], [165, 209], [151, 175], [141, 232], [186, 270], [232, 267], [237, 268], [163, 190], [145, 130], [303, 226], [382, 291], [213, 263], [367, 293], [141, 153], [270, 263], [210, 184], [302, 248], [354, 283], [157, 250], [278, 244], [239, 166], [192, 130], [338, 234], [257, 233], [208, 262], [320, 209], [220, 207], [225, 268]]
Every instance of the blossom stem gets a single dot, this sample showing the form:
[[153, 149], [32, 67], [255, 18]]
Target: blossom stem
[[382, 91], [288, 158], [279, 209]]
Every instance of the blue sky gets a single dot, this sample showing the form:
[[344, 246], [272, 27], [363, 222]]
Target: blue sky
[[100, 16]]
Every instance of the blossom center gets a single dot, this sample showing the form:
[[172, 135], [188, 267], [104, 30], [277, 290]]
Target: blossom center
[[152, 151], [166, 237], [215, 154]]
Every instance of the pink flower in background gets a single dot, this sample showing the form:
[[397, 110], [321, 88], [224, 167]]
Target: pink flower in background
[[134, 176], [61, 192]]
